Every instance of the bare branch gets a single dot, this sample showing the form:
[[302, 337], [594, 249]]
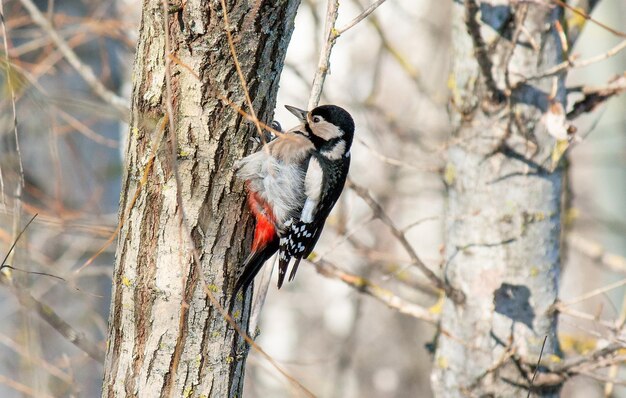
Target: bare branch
[[456, 295], [83, 70], [584, 6], [563, 309], [242, 78], [379, 293], [53, 319], [480, 50], [404, 63], [24, 389], [521, 11], [532, 381], [324, 62], [573, 64], [595, 96], [9, 80], [47, 366], [360, 17], [394, 271], [597, 253], [596, 292], [397, 162], [588, 17], [576, 364]]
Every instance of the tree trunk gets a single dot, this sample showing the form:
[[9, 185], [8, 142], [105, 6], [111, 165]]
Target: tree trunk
[[504, 204], [165, 337]]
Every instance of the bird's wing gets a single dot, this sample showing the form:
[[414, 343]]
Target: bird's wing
[[322, 192]]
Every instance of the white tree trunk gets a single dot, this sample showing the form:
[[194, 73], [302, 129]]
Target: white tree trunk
[[504, 206], [165, 338]]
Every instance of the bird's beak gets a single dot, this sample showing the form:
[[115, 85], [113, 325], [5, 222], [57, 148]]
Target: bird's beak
[[299, 113]]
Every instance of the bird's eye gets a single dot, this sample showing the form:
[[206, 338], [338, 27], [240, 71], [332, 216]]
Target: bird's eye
[[317, 119]]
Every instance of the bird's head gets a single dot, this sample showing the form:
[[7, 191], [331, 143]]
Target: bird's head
[[330, 128]]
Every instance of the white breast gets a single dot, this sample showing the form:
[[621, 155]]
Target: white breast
[[281, 184], [336, 152], [313, 188]]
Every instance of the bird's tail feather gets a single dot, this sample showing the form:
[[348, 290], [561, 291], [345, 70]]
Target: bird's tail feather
[[253, 265], [294, 269], [283, 264]]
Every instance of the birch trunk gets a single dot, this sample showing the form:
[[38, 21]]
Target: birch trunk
[[165, 338], [504, 204]]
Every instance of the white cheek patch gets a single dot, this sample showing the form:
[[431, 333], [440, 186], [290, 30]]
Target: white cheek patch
[[326, 130], [336, 152]]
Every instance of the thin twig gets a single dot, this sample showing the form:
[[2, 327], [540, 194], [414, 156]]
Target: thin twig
[[381, 294], [242, 78], [573, 64], [521, 11], [9, 80], [346, 236], [323, 65], [530, 388], [397, 162], [31, 357], [22, 388], [58, 324], [456, 295], [403, 62], [418, 222], [85, 130], [595, 96], [597, 253], [249, 117], [595, 292], [613, 370], [17, 238], [480, 50], [564, 310], [588, 17], [504, 358], [119, 103], [360, 17], [46, 312], [395, 272], [572, 364]]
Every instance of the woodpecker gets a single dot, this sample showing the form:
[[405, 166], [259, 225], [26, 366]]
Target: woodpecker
[[292, 184]]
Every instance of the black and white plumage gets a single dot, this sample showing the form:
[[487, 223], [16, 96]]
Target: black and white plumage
[[293, 184]]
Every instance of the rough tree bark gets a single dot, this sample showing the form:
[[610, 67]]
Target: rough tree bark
[[165, 337], [504, 204]]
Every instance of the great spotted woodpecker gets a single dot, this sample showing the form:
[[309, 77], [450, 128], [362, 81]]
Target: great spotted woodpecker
[[293, 183]]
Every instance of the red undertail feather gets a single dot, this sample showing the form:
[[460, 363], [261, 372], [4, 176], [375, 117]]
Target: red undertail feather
[[265, 231], [265, 242]]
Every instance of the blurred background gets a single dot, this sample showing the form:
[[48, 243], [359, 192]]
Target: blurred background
[[391, 72]]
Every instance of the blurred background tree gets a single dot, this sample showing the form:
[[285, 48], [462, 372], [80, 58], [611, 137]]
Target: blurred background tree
[[370, 328]]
